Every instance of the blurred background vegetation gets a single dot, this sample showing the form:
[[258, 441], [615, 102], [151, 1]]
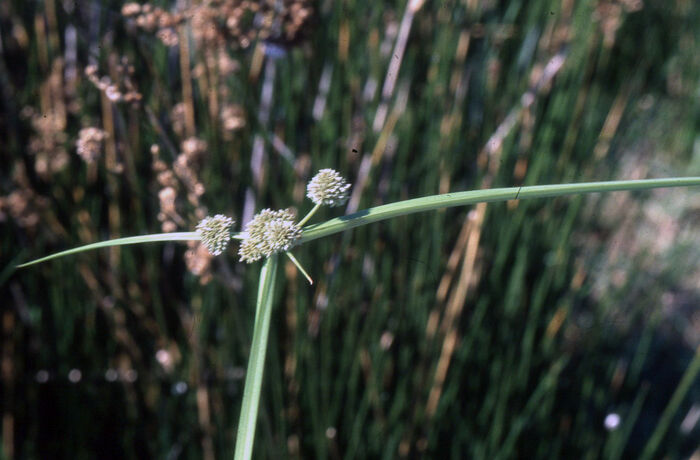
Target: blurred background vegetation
[[534, 329]]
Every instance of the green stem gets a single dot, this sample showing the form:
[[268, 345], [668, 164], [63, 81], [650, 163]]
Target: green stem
[[447, 200], [309, 215], [256, 362]]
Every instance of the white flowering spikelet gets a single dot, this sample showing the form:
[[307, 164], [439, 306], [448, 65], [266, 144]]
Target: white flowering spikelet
[[269, 232], [215, 232], [328, 187]]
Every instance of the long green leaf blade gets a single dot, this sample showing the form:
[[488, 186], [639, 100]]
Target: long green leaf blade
[[181, 236], [447, 200], [401, 208]]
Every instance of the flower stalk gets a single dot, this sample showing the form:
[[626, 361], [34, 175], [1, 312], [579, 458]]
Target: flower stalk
[[311, 213], [245, 437]]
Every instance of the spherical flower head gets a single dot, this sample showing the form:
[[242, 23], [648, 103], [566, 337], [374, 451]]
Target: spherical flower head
[[215, 232], [269, 232], [281, 235], [328, 187]]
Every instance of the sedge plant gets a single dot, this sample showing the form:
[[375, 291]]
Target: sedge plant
[[272, 232]]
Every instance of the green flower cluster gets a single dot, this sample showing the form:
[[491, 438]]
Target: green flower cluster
[[271, 232], [215, 232], [328, 187], [268, 233]]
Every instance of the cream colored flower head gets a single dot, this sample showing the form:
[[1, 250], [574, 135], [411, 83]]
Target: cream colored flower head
[[328, 187], [215, 232], [269, 232]]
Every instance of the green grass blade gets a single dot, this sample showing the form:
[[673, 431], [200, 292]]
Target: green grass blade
[[256, 363], [447, 200], [678, 396], [617, 440], [181, 236]]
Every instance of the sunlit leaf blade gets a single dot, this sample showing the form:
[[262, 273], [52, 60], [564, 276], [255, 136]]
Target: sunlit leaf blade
[[180, 236], [447, 200]]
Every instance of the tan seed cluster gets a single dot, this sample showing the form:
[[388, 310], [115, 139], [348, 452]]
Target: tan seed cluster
[[23, 205], [181, 179], [198, 260], [194, 148], [89, 144], [47, 143], [122, 91], [226, 22], [232, 117], [179, 195], [177, 119], [149, 18], [246, 21]]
